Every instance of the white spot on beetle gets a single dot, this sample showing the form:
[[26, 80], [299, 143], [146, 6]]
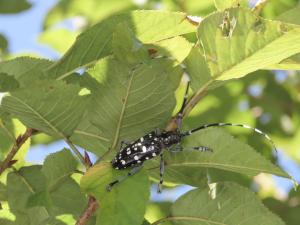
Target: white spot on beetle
[[142, 139], [147, 158], [153, 154], [123, 162], [136, 157], [128, 152], [144, 149]]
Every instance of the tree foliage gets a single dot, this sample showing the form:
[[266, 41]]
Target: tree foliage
[[123, 76]]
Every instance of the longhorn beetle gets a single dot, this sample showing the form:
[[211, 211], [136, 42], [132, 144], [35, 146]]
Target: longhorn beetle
[[133, 155]]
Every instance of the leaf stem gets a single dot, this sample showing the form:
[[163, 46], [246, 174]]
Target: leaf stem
[[88, 212], [77, 153], [21, 139], [196, 98], [188, 218]]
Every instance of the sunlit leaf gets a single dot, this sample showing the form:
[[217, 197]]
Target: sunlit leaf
[[58, 166], [225, 4], [7, 83], [58, 39], [177, 47], [126, 198], [229, 204], [93, 10], [13, 6], [95, 43], [52, 107], [228, 154], [129, 103], [25, 70], [245, 43]]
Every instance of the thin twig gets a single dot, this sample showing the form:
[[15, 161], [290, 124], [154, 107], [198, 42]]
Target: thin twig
[[77, 153], [88, 212], [21, 139]]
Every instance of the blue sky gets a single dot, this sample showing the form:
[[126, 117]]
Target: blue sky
[[22, 31]]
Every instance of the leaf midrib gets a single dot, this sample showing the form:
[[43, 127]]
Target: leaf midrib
[[188, 218], [117, 134], [218, 165], [40, 116], [215, 77]]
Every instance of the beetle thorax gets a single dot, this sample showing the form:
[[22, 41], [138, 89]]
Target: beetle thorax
[[170, 138]]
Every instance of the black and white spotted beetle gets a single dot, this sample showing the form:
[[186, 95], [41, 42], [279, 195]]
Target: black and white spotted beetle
[[133, 155]]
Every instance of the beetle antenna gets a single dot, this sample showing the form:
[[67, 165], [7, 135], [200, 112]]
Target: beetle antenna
[[187, 133]]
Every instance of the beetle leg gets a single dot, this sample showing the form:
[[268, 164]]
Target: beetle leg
[[161, 173], [124, 143], [176, 148], [157, 131], [199, 148], [119, 180]]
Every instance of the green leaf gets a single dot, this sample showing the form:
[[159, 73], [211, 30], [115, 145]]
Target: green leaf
[[39, 199], [176, 174], [229, 154], [23, 184], [26, 70], [248, 43], [293, 62], [177, 48], [275, 8], [126, 198], [290, 16], [225, 4], [89, 137], [13, 6], [7, 83], [6, 222], [129, 103], [95, 43], [7, 135], [126, 47], [49, 106], [3, 44], [3, 192], [67, 198], [10, 129], [197, 69], [59, 39], [58, 167], [228, 204], [92, 10], [157, 210]]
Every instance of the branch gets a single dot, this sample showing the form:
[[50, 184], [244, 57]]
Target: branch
[[21, 139], [88, 212]]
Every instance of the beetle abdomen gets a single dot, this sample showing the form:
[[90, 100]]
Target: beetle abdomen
[[137, 152]]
